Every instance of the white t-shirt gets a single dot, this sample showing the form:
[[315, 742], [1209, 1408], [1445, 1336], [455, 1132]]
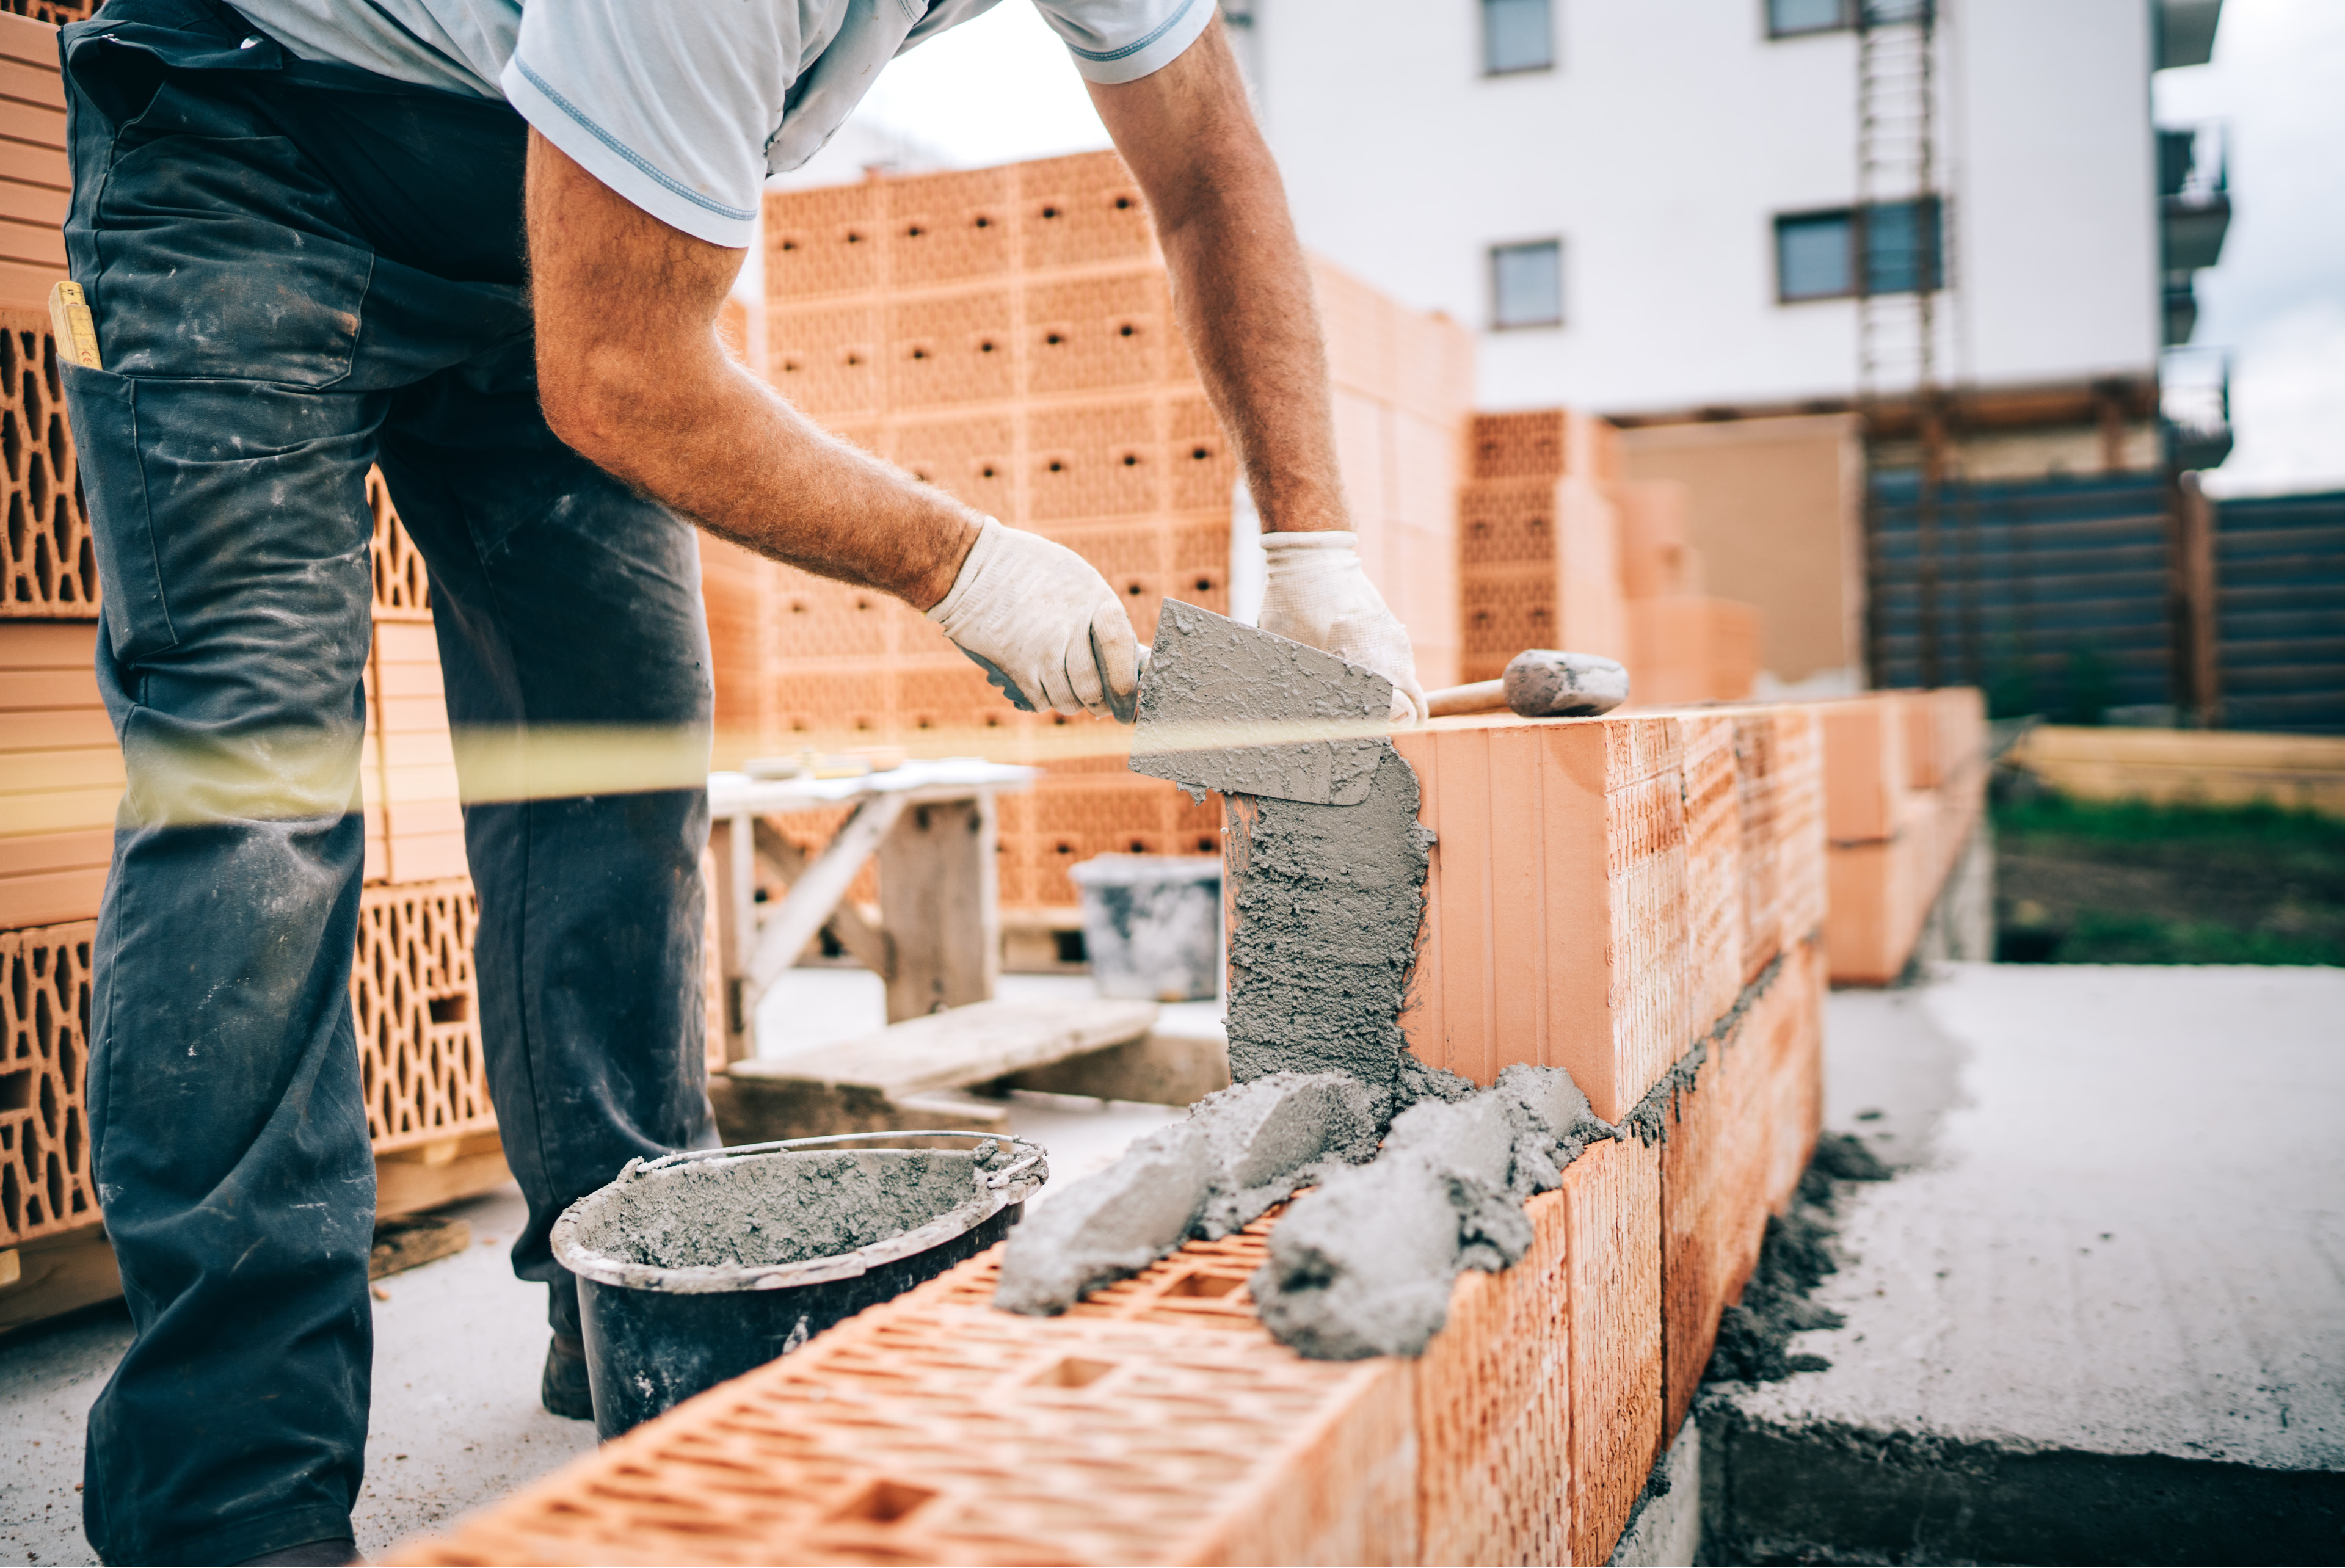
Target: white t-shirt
[[683, 106]]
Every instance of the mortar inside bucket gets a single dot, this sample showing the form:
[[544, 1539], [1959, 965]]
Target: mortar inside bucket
[[696, 1267]]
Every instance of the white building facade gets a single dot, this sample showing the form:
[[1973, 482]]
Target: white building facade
[[1651, 207]]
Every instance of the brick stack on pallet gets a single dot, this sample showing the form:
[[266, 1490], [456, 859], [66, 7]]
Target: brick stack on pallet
[[1007, 335], [1159, 1422], [411, 990], [1907, 788], [1556, 548]]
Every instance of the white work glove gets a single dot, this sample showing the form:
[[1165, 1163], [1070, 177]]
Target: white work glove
[[1044, 625], [1319, 594]]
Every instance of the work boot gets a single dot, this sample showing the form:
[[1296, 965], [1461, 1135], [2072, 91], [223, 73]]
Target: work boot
[[564, 1389], [335, 1551]]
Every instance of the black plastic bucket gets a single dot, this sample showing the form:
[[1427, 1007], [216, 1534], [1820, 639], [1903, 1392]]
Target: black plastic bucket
[[696, 1267]]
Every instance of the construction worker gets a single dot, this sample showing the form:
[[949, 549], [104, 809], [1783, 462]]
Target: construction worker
[[485, 246]]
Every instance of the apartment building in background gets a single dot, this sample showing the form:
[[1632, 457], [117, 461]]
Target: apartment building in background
[[1826, 261]]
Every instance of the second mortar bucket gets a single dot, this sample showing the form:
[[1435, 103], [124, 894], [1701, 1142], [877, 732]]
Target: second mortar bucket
[[698, 1267], [1152, 925]]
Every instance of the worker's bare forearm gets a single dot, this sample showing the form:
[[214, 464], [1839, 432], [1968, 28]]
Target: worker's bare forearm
[[1240, 284], [631, 374]]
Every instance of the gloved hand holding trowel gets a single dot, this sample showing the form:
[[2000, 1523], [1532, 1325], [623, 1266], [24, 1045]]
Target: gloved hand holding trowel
[[1051, 635]]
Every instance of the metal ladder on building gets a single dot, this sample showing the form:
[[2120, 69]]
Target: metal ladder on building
[[1903, 242]]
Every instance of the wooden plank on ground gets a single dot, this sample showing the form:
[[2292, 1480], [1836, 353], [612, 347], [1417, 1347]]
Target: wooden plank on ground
[[964, 1045]]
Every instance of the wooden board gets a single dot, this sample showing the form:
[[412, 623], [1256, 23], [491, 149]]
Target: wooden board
[[964, 1045]]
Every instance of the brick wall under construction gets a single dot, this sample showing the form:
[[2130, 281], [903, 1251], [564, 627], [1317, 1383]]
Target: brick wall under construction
[[1159, 1420]]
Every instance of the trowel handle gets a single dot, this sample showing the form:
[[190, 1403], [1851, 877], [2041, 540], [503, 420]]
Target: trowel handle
[[1474, 697]]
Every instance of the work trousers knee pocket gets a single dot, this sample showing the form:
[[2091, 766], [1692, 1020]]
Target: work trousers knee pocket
[[104, 410]]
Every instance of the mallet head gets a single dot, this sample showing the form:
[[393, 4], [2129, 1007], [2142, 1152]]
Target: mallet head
[[1549, 683]]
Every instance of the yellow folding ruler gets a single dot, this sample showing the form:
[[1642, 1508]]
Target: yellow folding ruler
[[70, 319]]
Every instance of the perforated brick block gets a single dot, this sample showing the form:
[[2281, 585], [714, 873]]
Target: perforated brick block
[[402, 589], [1756, 804], [45, 1171], [1714, 1201], [1800, 881], [950, 228], [971, 458], [1713, 868], [1097, 333], [60, 774], [1613, 1196], [1506, 523], [826, 359], [1081, 211], [47, 565], [1100, 459], [1688, 648], [1502, 614], [1555, 904], [1203, 466], [416, 1006], [1865, 768], [1786, 1033], [413, 786], [942, 1432], [1543, 443], [823, 241], [1494, 1408], [949, 349], [1519, 446], [1657, 558]]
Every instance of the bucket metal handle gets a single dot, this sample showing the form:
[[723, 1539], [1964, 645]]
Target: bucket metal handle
[[994, 1179]]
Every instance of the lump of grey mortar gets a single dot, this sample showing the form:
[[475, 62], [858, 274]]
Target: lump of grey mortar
[[1239, 1152], [1108, 1225], [1364, 1265], [1278, 1133], [1330, 899]]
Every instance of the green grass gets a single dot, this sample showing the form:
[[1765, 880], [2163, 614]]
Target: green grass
[[2093, 882]]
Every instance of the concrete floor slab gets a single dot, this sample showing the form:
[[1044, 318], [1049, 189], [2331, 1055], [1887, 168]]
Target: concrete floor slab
[[2118, 1233]]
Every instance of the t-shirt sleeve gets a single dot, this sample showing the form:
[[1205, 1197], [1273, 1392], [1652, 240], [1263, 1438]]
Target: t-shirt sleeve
[[1124, 40], [670, 106]]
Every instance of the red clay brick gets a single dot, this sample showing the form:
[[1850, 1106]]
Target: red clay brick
[[1613, 1200], [1555, 906]]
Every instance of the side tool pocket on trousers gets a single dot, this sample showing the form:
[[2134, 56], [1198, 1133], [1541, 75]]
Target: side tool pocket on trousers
[[104, 409]]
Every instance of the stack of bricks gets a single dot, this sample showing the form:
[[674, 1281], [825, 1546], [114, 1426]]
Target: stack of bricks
[[1907, 773], [1007, 335], [1158, 1421], [1684, 645], [1401, 384], [61, 777], [1538, 539], [1558, 550]]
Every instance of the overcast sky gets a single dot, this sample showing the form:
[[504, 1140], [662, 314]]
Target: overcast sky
[[1000, 88]]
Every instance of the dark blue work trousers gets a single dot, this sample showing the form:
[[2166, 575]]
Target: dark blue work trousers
[[297, 272]]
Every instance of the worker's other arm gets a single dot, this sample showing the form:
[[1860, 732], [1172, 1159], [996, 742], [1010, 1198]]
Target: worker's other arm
[[632, 375], [1243, 297]]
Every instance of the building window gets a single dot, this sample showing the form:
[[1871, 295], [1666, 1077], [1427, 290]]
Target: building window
[[1517, 35], [1897, 244], [1791, 18], [1815, 256], [1526, 284]]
